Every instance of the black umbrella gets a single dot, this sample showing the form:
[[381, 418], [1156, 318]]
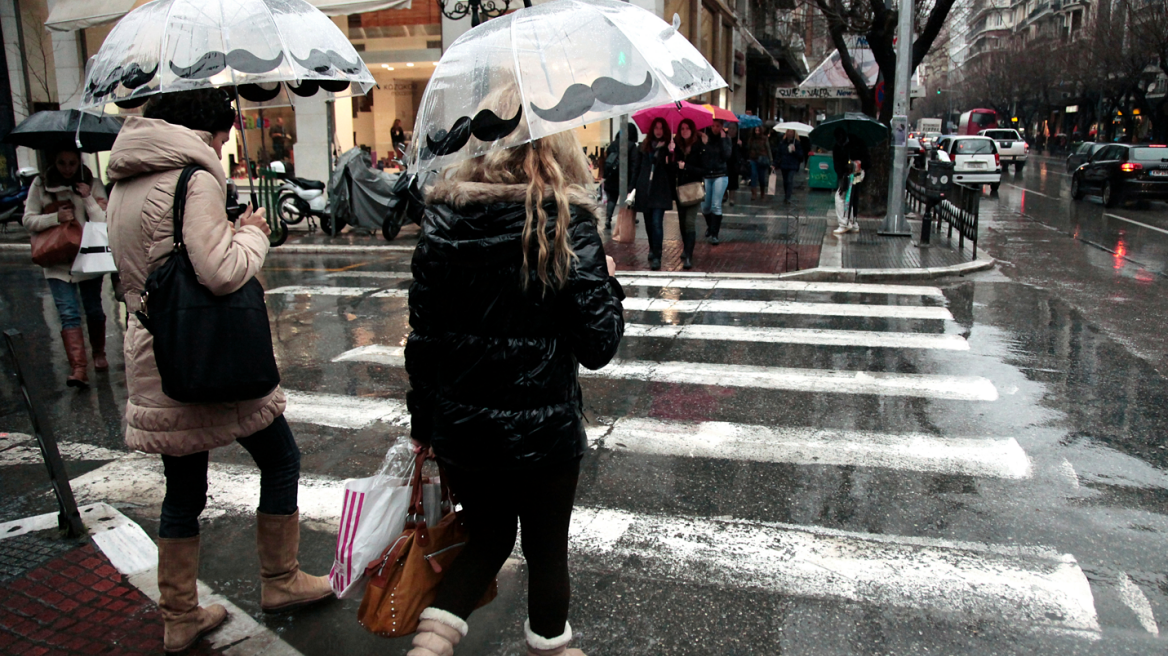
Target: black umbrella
[[58, 129], [858, 125]]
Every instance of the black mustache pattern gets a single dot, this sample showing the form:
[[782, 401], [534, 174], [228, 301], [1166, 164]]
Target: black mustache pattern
[[579, 99], [130, 77], [305, 89], [213, 63], [687, 74], [485, 126], [132, 102], [321, 62], [257, 93]]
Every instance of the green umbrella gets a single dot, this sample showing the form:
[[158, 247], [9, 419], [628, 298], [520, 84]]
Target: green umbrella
[[857, 125]]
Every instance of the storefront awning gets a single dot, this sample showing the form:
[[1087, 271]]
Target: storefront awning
[[344, 7], [70, 15]]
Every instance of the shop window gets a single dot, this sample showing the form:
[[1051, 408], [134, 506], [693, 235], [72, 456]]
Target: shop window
[[706, 41]]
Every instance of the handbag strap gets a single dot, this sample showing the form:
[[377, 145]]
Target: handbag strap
[[180, 202]]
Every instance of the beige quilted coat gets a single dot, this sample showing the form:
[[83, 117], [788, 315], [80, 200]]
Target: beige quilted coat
[[145, 165]]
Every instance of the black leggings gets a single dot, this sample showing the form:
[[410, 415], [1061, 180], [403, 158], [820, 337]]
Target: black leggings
[[275, 453], [492, 502]]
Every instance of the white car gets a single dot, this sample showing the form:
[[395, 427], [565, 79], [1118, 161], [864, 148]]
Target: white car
[[975, 160], [1012, 148]]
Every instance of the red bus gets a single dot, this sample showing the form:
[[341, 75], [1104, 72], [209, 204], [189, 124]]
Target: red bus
[[976, 120]]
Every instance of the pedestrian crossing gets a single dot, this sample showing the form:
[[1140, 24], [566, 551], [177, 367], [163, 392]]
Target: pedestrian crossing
[[753, 348]]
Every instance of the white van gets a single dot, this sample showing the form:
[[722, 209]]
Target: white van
[[975, 160]]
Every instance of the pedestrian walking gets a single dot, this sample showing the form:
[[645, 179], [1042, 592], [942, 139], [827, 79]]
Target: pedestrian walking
[[612, 171], [654, 185], [734, 163], [689, 154], [758, 152], [181, 129], [512, 290], [67, 191], [789, 155], [845, 168], [397, 134], [718, 150]]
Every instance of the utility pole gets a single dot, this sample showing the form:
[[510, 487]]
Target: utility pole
[[894, 222], [623, 160]]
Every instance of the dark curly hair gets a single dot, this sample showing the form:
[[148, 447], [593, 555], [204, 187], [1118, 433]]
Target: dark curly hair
[[208, 110]]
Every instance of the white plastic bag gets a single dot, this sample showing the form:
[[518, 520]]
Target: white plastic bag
[[95, 256], [374, 514]]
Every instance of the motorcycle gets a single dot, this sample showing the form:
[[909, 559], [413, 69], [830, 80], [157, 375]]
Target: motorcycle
[[369, 199], [299, 199], [12, 200]]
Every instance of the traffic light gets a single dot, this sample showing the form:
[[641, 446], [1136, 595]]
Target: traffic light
[[938, 92]]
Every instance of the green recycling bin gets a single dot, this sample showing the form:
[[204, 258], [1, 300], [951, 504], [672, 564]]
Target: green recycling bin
[[822, 172]]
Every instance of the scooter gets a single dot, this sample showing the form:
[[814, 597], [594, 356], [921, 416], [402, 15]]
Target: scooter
[[12, 200], [300, 199]]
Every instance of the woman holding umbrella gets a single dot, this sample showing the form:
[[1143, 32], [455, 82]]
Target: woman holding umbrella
[[789, 153], [689, 155], [758, 152], [66, 192], [654, 185]]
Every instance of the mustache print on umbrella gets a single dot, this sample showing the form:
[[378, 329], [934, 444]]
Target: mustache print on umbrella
[[485, 126], [214, 62], [320, 62], [579, 99], [130, 77], [260, 93]]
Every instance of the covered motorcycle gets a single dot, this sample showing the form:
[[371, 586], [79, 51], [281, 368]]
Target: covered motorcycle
[[359, 195]]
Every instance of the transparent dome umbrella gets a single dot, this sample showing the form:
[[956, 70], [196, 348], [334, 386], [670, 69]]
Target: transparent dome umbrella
[[263, 48], [551, 68]]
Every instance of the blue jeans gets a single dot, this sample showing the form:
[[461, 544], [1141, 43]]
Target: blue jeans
[[69, 307], [655, 228], [275, 453], [789, 182], [715, 189], [760, 172]]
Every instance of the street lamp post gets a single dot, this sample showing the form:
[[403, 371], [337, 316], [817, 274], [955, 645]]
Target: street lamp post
[[894, 221], [478, 9]]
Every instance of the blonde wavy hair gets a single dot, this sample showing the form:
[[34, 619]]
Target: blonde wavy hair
[[550, 167]]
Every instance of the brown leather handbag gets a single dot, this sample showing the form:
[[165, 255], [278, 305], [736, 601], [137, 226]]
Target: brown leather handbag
[[404, 581], [60, 243]]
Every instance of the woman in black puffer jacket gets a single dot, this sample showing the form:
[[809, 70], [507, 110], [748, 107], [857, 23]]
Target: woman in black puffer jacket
[[512, 292]]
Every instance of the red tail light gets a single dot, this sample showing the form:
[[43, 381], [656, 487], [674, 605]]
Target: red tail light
[[1026, 148], [997, 160], [1128, 167]]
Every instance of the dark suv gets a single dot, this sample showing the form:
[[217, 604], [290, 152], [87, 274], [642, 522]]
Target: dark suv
[[1124, 172]]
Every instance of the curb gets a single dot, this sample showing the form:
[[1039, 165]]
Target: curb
[[818, 274]]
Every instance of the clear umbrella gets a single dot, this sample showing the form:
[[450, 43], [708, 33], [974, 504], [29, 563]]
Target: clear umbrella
[[258, 45], [569, 63]]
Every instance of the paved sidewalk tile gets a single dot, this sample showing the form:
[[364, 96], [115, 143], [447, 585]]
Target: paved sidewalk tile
[[66, 597]]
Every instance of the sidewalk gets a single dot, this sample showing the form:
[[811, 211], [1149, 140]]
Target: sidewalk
[[98, 594]]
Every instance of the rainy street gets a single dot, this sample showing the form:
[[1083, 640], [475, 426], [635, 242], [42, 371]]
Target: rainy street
[[966, 464]]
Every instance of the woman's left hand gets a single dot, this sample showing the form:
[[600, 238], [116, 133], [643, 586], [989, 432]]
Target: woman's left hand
[[422, 448], [83, 190]]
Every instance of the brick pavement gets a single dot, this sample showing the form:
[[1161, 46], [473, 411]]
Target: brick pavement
[[72, 600]]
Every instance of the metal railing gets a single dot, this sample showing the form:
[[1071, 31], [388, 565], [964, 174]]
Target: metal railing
[[959, 208]]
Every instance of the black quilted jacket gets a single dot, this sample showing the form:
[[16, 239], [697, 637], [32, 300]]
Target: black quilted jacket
[[493, 367]]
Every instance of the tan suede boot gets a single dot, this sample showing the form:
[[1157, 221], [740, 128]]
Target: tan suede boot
[[439, 632], [538, 645], [184, 621], [96, 327], [282, 585], [74, 340]]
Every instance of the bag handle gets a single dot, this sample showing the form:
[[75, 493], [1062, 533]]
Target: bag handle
[[180, 202]]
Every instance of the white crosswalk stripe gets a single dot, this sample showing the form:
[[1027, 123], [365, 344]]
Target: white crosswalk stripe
[[787, 307], [324, 290], [780, 335], [1038, 587], [967, 388]]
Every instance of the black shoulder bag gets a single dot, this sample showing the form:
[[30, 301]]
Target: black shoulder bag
[[209, 349]]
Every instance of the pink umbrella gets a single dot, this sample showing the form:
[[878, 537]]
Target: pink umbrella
[[673, 115]]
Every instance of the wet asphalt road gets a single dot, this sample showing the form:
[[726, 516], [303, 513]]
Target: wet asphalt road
[[971, 466]]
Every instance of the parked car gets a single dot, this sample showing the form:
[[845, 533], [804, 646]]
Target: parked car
[[916, 151], [1012, 148], [975, 160], [1124, 172], [1082, 154]]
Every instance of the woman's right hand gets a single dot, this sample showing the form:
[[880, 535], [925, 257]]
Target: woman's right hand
[[611, 265], [257, 218]]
